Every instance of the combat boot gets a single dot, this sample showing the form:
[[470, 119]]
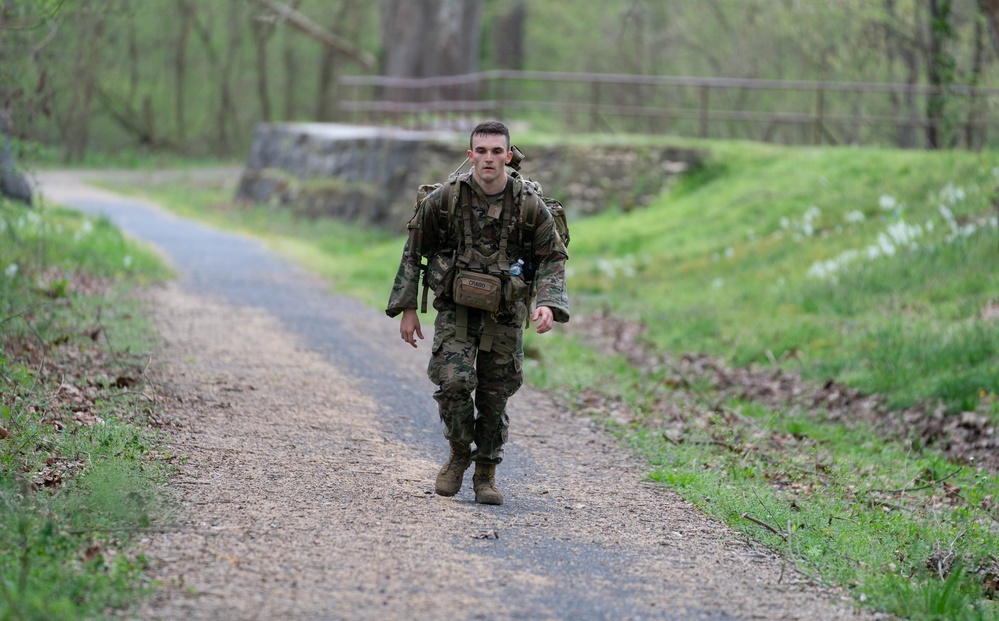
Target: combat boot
[[484, 484], [453, 471]]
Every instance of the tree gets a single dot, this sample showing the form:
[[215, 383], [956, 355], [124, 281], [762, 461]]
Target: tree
[[25, 29], [990, 9], [430, 38], [508, 37], [336, 46], [940, 70], [185, 9]]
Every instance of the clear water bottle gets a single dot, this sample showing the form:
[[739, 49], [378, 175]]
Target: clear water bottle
[[517, 268]]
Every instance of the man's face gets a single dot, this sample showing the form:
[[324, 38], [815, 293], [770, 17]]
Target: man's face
[[489, 155]]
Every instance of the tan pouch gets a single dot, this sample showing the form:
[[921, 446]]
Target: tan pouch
[[478, 290]]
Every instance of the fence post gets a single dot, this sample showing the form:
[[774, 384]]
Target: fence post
[[820, 111], [500, 95], [703, 123], [594, 106]]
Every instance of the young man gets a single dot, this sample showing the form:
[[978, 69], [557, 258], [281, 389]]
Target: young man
[[484, 233]]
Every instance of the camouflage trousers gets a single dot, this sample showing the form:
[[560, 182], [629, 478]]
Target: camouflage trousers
[[459, 369]]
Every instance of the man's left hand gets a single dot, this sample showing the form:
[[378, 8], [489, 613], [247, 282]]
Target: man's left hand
[[543, 319]]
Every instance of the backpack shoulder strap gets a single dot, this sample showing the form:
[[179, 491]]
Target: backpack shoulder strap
[[450, 195], [530, 205]]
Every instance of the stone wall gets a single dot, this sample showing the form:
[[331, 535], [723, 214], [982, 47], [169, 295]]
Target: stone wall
[[370, 175]]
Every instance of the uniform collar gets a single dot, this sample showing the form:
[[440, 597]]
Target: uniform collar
[[469, 179]]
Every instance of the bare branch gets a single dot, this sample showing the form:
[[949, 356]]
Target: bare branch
[[921, 487], [317, 32], [746, 516]]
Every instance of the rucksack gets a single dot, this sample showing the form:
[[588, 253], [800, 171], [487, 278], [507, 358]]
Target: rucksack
[[528, 216]]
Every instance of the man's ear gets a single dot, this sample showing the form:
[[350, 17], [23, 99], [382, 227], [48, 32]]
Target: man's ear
[[509, 155]]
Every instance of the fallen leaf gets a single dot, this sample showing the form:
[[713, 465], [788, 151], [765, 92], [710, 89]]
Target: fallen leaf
[[92, 553], [84, 418], [68, 390], [124, 381]]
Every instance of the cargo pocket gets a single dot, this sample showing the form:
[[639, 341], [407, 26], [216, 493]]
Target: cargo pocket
[[515, 290]]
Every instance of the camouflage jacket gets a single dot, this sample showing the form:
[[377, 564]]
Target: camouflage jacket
[[433, 233]]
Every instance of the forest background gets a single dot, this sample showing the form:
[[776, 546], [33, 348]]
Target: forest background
[[194, 78]]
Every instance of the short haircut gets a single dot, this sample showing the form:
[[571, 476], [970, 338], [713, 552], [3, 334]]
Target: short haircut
[[490, 127]]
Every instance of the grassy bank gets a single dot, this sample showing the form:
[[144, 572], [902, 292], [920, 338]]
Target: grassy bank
[[867, 269], [77, 478]]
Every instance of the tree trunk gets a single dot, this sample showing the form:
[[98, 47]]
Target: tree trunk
[[222, 70], [327, 72], [905, 105], [940, 71], [90, 28], [971, 135], [262, 31], [290, 71], [186, 11], [990, 9], [429, 38], [227, 109], [133, 58], [508, 38]]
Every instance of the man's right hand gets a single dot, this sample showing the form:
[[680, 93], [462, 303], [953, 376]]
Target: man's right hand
[[409, 327]]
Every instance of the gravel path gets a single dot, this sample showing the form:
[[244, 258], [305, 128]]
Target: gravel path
[[310, 442]]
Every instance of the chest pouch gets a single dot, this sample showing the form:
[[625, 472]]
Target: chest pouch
[[475, 290]]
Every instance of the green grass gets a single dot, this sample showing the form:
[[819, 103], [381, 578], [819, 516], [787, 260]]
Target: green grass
[[77, 474], [732, 262], [36, 156], [728, 263]]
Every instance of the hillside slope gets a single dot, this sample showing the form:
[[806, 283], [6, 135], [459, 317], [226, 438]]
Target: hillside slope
[[871, 267]]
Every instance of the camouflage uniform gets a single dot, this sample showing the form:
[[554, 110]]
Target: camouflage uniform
[[460, 367]]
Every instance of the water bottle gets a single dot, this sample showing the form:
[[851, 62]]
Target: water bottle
[[517, 268]]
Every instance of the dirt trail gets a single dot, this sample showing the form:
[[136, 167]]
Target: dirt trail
[[308, 446]]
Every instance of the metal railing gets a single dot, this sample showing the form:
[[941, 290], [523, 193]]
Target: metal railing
[[786, 111]]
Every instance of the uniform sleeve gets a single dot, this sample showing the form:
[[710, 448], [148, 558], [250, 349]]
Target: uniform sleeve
[[551, 255], [422, 240]]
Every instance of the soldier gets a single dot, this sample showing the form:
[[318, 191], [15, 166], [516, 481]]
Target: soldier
[[490, 241]]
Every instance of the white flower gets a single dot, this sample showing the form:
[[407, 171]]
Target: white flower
[[903, 234], [828, 269], [784, 223], [854, 217], [128, 261], [884, 242], [729, 252], [717, 283], [85, 229], [11, 270], [887, 202], [952, 194]]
